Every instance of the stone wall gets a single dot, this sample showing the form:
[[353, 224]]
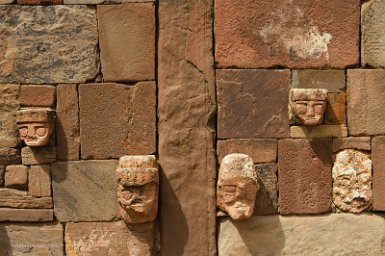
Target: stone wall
[[191, 82]]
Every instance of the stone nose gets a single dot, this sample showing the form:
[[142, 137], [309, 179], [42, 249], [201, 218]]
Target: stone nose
[[310, 110], [31, 131]]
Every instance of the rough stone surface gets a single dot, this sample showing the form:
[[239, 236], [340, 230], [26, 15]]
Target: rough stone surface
[[304, 171], [373, 34], [266, 201], [109, 239], [67, 123], [9, 103], [25, 215], [362, 143], [26, 202], [6, 1], [336, 234], [2, 172], [186, 108], [16, 176], [85, 190], [10, 156], [335, 108], [331, 80], [39, 180], [253, 103], [366, 99], [51, 44], [39, 2], [126, 128], [104, 1], [127, 41], [44, 155], [25, 239], [294, 34], [37, 96], [378, 152], [319, 131], [260, 150]]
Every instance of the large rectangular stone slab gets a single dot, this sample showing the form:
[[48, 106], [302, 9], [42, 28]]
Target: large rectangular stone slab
[[117, 119], [378, 161], [85, 190], [26, 215], [9, 104], [319, 131], [186, 110], [332, 80], [26, 239], [51, 44], [253, 103], [109, 238], [366, 100], [305, 177], [335, 234], [294, 34]]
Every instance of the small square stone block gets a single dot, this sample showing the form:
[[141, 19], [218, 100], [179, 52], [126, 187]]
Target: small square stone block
[[39, 181], [37, 95], [16, 176]]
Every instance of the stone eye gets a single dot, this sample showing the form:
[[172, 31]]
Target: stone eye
[[41, 131], [23, 131]]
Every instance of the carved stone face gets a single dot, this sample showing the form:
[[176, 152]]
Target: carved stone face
[[352, 181], [137, 188], [237, 186], [308, 106], [35, 126]]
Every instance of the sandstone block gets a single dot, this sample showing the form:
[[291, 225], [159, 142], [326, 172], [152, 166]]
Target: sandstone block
[[16, 176], [32, 156], [335, 234], [2, 172], [366, 99], [37, 96], [331, 80], [67, 123], [378, 151], [319, 131], [266, 201], [48, 45], [6, 1], [85, 190], [304, 171], [10, 156], [373, 35], [127, 41], [26, 202], [335, 108], [25, 215], [39, 2], [362, 143], [24, 239], [104, 1], [39, 180], [293, 34], [10, 192], [9, 104], [255, 113], [126, 128], [109, 238]]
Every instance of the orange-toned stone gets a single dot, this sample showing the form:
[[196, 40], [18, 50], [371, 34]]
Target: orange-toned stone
[[39, 2], [331, 80], [39, 180], [362, 143], [378, 152], [335, 108], [37, 95], [16, 176]]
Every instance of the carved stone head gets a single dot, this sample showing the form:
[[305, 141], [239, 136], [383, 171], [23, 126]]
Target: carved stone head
[[352, 181], [138, 182], [237, 186], [308, 106], [36, 125]]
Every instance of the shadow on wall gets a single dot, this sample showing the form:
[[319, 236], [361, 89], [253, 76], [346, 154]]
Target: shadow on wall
[[5, 244]]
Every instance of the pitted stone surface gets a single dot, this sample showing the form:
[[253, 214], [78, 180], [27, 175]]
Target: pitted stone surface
[[378, 153], [9, 103], [50, 44]]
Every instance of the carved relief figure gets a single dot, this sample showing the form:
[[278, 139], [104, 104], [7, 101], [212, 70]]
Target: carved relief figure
[[352, 181], [36, 125], [138, 182], [308, 106], [237, 186]]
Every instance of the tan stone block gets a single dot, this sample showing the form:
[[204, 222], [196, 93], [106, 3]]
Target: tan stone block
[[319, 131], [9, 104], [6, 1], [10, 192], [335, 108], [127, 127], [32, 156], [25, 215], [37, 95], [39, 2], [127, 41], [27, 202], [39, 180], [266, 201], [362, 143], [10, 156], [109, 238], [2, 172], [378, 151], [16, 176], [332, 80], [293, 34]]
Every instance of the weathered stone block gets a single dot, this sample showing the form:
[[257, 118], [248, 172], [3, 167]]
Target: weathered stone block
[[260, 150], [109, 238], [2, 172], [331, 80], [366, 99], [37, 95], [362, 143], [48, 45], [335, 108], [9, 104], [336, 234], [104, 1], [294, 34], [26, 202], [25, 215], [44, 155], [16, 176], [253, 103], [39, 2], [24, 239], [6, 1], [39, 180], [125, 127], [266, 201], [85, 190], [127, 41], [67, 123], [319, 131], [378, 152], [304, 171], [10, 156]]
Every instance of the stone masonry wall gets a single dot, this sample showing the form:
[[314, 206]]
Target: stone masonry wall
[[190, 82]]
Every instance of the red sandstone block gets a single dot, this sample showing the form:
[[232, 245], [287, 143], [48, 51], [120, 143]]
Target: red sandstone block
[[16, 176], [378, 161], [37, 96]]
